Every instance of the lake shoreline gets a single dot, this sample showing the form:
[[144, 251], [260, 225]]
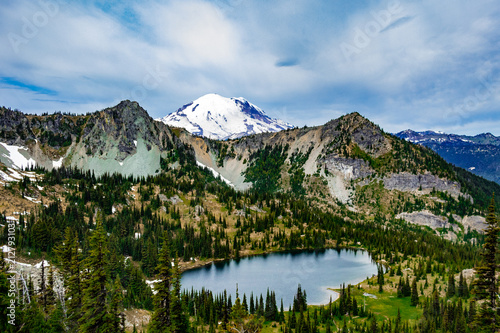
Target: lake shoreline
[[190, 265], [320, 272]]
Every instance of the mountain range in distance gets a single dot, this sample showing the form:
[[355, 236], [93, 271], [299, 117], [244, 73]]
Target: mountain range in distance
[[220, 118], [211, 116], [479, 154], [345, 162]]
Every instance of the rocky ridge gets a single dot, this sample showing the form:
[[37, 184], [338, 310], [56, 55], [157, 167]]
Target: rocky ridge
[[121, 139], [333, 161]]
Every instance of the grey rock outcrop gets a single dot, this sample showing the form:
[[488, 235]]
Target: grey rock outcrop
[[175, 200], [123, 139], [426, 218], [475, 223], [407, 182], [350, 168]]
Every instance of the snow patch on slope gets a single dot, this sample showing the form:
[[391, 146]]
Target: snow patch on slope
[[18, 156], [215, 173], [57, 164], [45, 263]]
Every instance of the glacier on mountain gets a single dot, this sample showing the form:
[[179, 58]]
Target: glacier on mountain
[[221, 118]]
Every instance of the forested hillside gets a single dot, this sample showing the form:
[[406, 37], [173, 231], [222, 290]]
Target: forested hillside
[[207, 220]]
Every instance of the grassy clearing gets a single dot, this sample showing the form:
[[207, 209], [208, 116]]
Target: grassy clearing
[[386, 306]]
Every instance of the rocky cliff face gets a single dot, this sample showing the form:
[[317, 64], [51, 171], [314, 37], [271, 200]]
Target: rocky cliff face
[[14, 127], [123, 125], [349, 168], [406, 182], [353, 130], [121, 139]]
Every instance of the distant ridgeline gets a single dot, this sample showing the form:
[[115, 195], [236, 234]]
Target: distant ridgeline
[[479, 154], [339, 162]]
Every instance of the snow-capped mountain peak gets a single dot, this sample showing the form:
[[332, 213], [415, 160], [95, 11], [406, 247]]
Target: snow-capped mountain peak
[[222, 118]]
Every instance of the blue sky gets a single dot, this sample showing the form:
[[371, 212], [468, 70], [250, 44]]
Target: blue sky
[[403, 64]]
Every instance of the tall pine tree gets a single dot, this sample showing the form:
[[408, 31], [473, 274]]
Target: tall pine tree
[[115, 317], [179, 319], [161, 320], [485, 286], [68, 256], [414, 293], [95, 316]]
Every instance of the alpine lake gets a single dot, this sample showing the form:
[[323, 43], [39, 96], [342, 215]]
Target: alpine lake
[[316, 271]]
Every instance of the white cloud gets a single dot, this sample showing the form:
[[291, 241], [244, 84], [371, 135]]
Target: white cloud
[[195, 32]]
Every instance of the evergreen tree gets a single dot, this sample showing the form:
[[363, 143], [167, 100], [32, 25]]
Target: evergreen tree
[[344, 327], [400, 288], [95, 316], [178, 317], [51, 297], [42, 292], [161, 319], [238, 314], [462, 290], [282, 313], [115, 317], [414, 293], [373, 326], [380, 279], [300, 300], [252, 305], [397, 323], [450, 291], [407, 288], [67, 253], [245, 305], [328, 327], [485, 286], [260, 309]]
